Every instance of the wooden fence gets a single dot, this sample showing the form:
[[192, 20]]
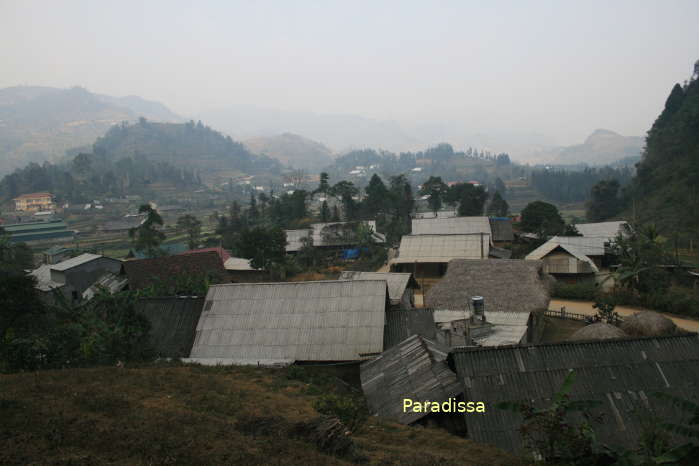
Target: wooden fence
[[563, 314]]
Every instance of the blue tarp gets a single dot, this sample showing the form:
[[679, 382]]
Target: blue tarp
[[350, 253]]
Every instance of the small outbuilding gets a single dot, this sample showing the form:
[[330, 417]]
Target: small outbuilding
[[648, 324], [401, 286]]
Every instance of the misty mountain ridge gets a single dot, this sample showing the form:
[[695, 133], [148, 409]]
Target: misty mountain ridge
[[293, 150], [40, 123], [602, 147]]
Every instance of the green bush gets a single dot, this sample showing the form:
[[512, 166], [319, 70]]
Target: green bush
[[351, 410], [584, 290]]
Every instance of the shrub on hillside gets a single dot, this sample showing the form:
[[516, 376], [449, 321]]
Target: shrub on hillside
[[584, 290]]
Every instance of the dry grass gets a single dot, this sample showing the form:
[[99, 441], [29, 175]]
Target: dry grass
[[177, 414]]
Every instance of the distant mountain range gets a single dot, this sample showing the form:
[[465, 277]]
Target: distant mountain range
[[602, 147], [292, 150], [41, 123]]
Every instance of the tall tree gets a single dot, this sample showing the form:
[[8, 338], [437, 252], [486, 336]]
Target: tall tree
[[542, 218], [324, 186], [190, 225], [435, 188], [604, 201], [376, 196], [146, 237], [263, 246], [324, 212], [498, 206]]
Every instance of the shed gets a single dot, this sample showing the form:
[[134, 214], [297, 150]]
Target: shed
[[501, 227], [506, 328], [401, 286], [507, 285], [173, 322], [279, 323], [401, 324], [414, 369], [621, 374], [564, 261], [74, 276]]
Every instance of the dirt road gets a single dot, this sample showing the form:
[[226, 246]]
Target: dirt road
[[585, 307]]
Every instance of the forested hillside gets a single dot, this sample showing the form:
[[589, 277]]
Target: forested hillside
[[186, 145], [41, 123], [666, 189]]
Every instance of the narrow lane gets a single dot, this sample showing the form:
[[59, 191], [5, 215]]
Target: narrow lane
[[585, 307]]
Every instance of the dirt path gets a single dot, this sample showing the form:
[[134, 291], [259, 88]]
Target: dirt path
[[585, 307]]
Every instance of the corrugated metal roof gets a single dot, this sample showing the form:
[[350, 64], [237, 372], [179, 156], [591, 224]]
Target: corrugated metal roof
[[401, 324], [397, 282], [76, 261], [501, 229], [35, 227], [173, 323], [238, 263], [451, 226], [606, 230], [479, 362], [43, 278], [441, 248], [508, 328], [624, 392], [543, 250], [414, 369], [294, 237], [588, 246], [265, 323], [111, 282]]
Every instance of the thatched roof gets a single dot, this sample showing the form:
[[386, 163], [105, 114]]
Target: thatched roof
[[648, 324], [506, 285], [598, 331]]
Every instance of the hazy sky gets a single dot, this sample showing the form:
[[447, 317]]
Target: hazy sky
[[558, 68]]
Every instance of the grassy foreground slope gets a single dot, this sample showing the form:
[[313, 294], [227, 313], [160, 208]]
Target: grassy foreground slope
[[176, 414]]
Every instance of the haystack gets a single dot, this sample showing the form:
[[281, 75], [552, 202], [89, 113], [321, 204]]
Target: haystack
[[506, 285], [598, 331], [648, 324]]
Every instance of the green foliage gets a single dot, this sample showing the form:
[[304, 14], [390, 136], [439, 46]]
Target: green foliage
[[585, 290], [575, 185], [666, 186], [263, 246], [605, 310], [351, 410], [542, 218], [498, 206], [641, 254], [190, 225], [604, 201], [436, 189], [549, 433], [146, 237]]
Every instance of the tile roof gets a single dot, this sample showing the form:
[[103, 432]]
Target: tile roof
[[279, 323], [145, 272], [415, 369], [441, 248]]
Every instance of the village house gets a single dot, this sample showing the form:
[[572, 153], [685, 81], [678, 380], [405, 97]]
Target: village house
[[501, 227], [34, 202], [401, 286], [427, 256], [621, 374], [168, 270], [452, 226], [330, 235], [564, 262], [281, 323], [72, 277]]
